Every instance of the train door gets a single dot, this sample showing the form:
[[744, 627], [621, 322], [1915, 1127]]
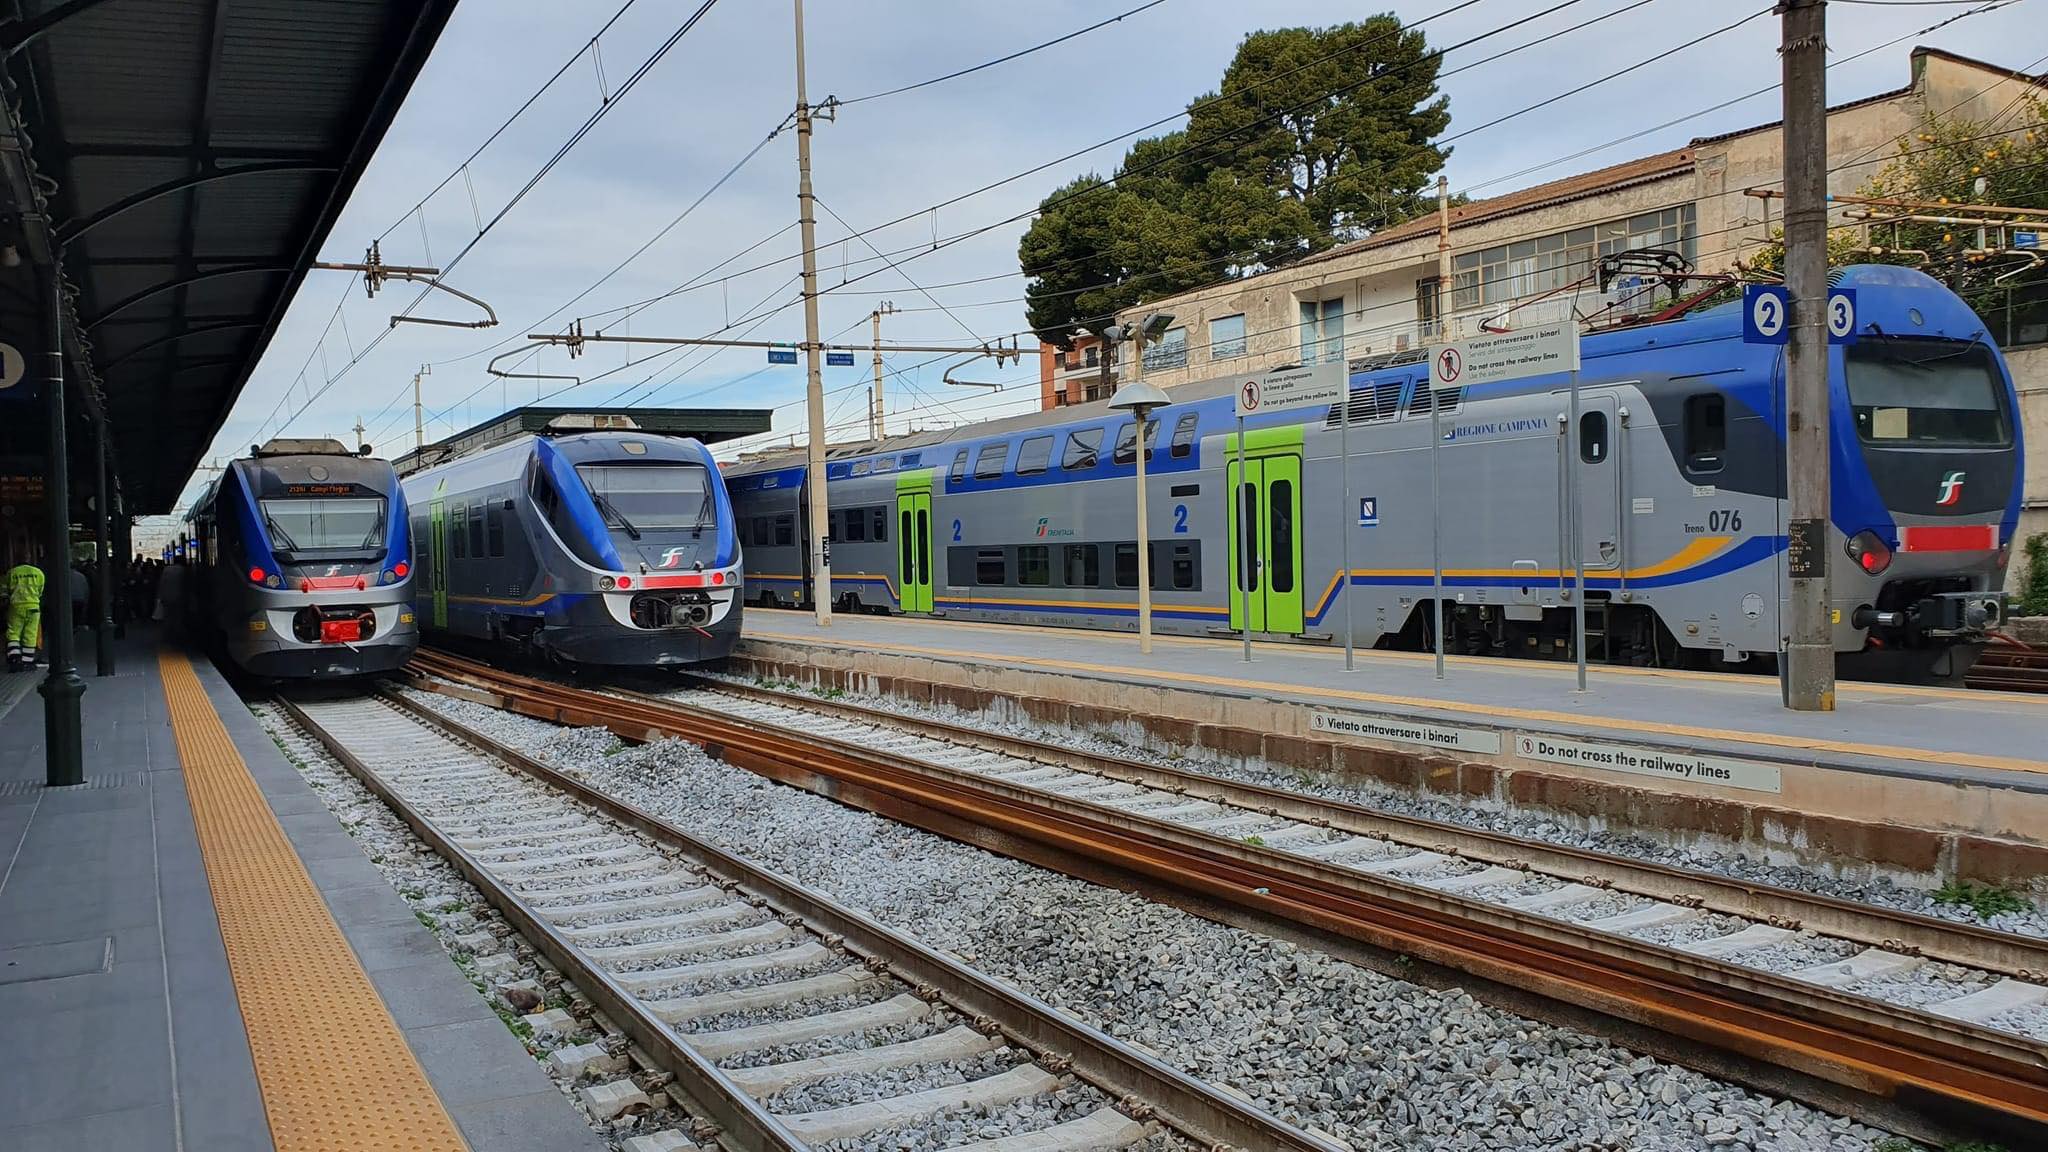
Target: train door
[[1599, 484], [437, 515], [914, 547], [1265, 543]]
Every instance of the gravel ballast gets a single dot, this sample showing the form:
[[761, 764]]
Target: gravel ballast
[[1376, 1061]]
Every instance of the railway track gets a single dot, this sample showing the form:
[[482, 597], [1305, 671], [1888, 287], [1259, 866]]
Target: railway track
[[750, 990], [1416, 889], [2010, 669]]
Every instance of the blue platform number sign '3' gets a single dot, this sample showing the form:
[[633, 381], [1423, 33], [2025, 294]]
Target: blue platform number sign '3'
[[1180, 518]]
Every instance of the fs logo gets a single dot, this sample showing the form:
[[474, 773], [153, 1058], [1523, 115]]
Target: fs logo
[[1951, 490], [1043, 521], [671, 558]]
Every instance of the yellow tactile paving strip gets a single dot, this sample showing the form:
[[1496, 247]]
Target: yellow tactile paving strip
[[336, 1074]]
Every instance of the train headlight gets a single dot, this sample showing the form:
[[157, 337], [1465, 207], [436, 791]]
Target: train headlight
[[1869, 551], [606, 583], [273, 581]]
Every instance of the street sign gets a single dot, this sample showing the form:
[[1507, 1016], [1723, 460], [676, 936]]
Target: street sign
[[2026, 239], [839, 359], [1284, 388], [782, 355], [1767, 314], [1765, 310], [1533, 351], [1841, 315]]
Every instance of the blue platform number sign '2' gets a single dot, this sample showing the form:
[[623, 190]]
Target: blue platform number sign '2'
[[956, 531], [1180, 518], [1765, 310]]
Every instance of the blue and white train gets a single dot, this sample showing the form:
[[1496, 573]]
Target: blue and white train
[[303, 557], [583, 545], [1680, 452]]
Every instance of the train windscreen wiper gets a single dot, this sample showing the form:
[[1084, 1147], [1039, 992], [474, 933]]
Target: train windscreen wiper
[[617, 515]]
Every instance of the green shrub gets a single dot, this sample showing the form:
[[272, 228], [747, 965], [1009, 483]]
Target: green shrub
[[2033, 597]]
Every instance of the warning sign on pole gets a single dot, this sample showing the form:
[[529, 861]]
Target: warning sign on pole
[[1534, 351]]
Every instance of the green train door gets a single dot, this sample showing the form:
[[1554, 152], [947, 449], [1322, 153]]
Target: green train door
[[437, 513], [914, 542], [1265, 544]]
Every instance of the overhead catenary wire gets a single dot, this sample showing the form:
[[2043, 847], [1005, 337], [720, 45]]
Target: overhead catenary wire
[[1019, 54]]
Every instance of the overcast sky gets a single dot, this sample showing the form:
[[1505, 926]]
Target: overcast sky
[[730, 82]]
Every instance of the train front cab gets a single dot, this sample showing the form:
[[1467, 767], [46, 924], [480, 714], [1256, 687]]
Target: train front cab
[[1926, 472], [310, 585]]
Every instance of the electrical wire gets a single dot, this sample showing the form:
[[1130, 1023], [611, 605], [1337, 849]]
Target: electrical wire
[[1000, 59]]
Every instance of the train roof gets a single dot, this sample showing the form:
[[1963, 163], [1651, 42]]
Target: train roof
[[704, 425]]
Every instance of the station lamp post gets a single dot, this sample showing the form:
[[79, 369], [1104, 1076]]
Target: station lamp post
[[1139, 399]]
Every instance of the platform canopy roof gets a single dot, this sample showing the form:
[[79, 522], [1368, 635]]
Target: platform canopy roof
[[183, 161]]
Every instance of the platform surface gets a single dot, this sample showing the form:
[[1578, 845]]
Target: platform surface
[[1944, 733], [126, 1028]]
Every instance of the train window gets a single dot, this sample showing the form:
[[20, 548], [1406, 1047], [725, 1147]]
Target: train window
[[854, 526], [860, 468], [1593, 436], [1083, 566], [1706, 432], [960, 465], [1280, 562], [785, 531], [906, 572], [1248, 537], [885, 464], [1127, 442], [1084, 448], [881, 518], [1034, 565], [1126, 565], [476, 530], [494, 527], [1926, 392], [912, 459], [1033, 455], [1181, 565], [458, 526], [990, 566], [1183, 444], [764, 531], [988, 463]]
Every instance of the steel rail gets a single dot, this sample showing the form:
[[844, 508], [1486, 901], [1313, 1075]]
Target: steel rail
[[1949, 941], [744, 1126], [1928, 1065], [1143, 1085]]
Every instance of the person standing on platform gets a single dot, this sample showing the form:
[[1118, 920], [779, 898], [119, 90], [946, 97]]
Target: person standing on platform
[[24, 615]]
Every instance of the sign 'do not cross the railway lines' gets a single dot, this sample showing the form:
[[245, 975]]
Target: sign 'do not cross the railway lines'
[[1533, 351]]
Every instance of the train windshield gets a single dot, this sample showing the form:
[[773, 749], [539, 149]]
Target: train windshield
[[325, 523], [647, 497], [1926, 393]]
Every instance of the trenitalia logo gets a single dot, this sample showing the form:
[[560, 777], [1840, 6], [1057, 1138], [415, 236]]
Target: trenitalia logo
[[1951, 490], [671, 558]]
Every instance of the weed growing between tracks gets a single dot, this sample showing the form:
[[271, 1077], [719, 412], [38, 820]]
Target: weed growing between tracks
[[1986, 900]]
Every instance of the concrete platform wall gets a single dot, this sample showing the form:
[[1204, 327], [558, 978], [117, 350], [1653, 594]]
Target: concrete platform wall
[[1919, 832]]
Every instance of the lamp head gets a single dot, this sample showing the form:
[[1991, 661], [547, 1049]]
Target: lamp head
[[1155, 324], [1139, 398]]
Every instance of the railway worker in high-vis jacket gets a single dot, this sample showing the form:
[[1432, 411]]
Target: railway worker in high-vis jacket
[[24, 615]]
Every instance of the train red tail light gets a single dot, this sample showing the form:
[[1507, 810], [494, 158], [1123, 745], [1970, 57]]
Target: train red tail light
[[1869, 551], [256, 575], [625, 581], [400, 569], [718, 577]]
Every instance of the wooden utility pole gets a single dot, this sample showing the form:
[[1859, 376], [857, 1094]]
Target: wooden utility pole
[[1807, 673]]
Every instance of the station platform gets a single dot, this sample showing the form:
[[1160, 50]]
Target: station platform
[[1940, 758], [195, 955]]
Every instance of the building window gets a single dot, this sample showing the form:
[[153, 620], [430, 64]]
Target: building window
[[1034, 565], [1706, 432], [1527, 268], [1083, 566], [1064, 358], [1169, 351], [989, 568], [1226, 337], [988, 463], [1091, 357], [1322, 330], [1183, 444], [1425, 300], [1084, 447], [1033, 455]]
